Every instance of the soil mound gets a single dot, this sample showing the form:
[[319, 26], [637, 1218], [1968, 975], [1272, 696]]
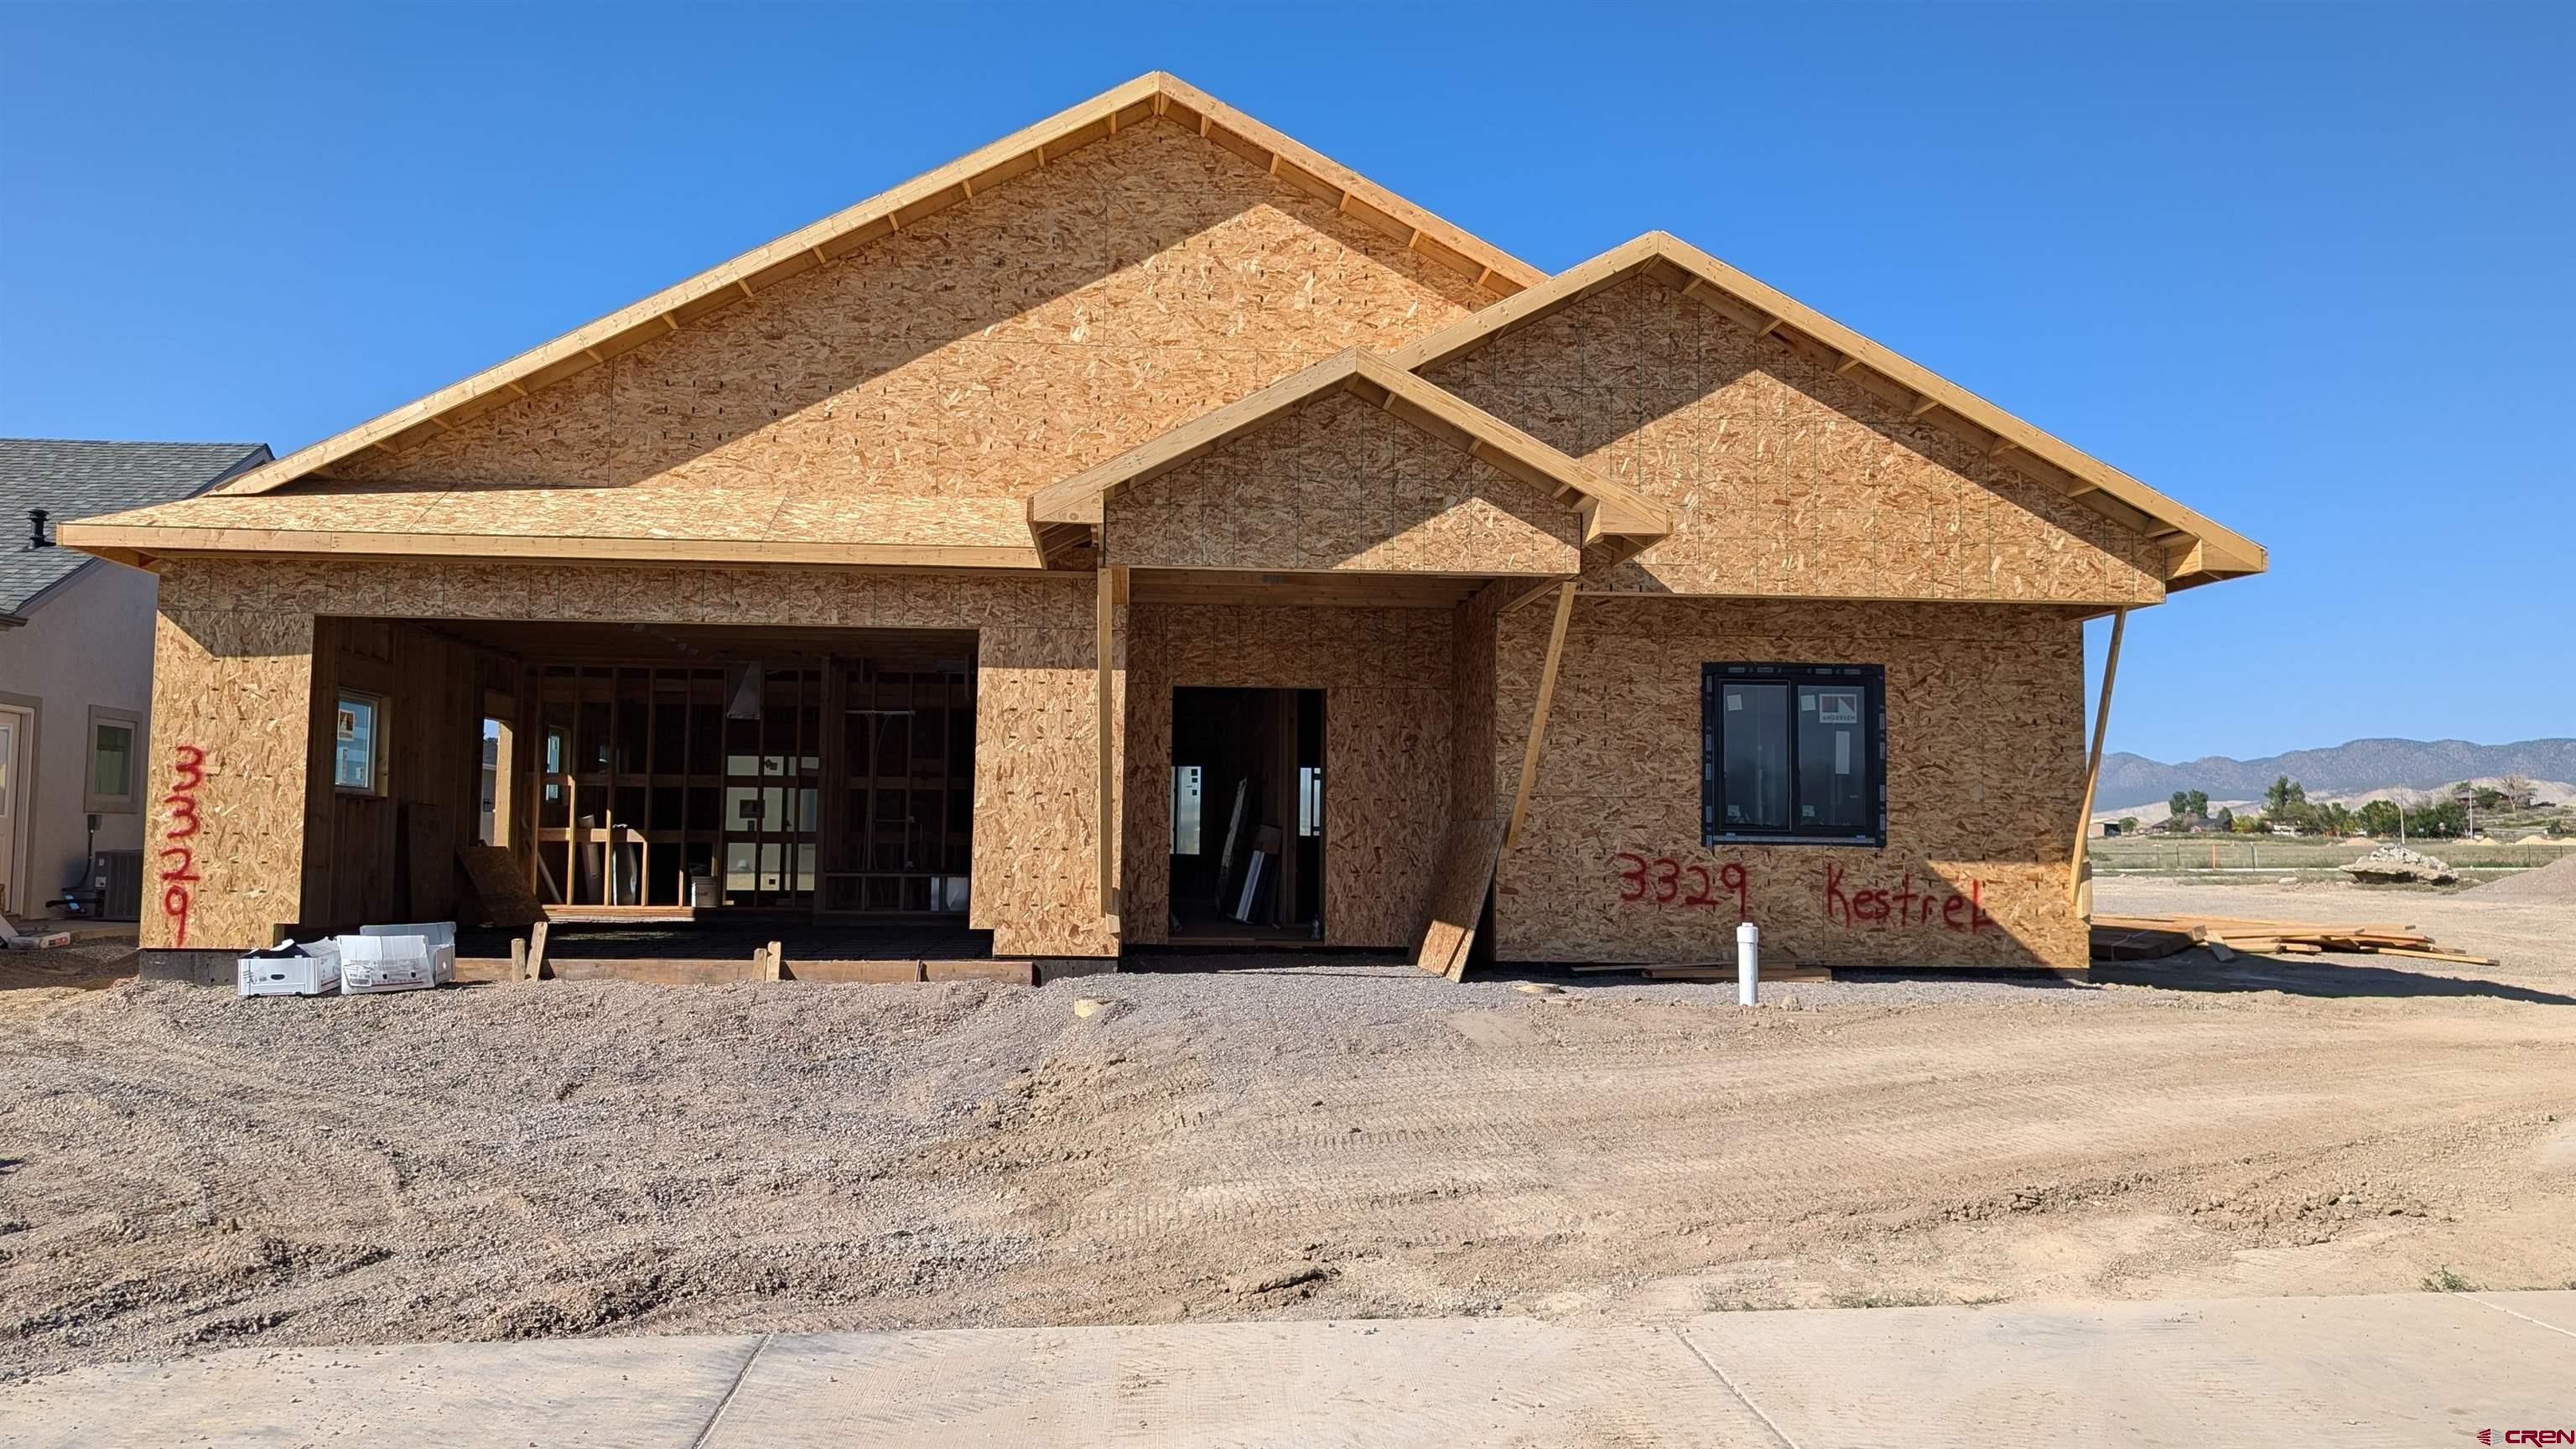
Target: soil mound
[[2551, 884]]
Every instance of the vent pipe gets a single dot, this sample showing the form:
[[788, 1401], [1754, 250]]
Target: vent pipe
[[36, 529]]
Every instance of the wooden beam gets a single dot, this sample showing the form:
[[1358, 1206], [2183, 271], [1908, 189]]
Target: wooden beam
[[2079, 888], [1538, 715]]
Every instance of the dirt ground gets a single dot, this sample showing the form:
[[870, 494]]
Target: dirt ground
[[180, 1169]]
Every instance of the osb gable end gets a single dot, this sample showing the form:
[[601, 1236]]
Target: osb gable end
[[1385, 676], [1985, 763], [1340, 484], [234, 668], [1049, 324], [1782, 477]]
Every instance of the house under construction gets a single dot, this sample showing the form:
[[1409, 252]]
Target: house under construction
[[1145, 531]]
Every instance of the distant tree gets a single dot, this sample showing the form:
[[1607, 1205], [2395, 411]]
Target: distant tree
[[2334, 818], [2199, 801], [2490, 799], [2284, 794], [2128, 825], [2378, 817], [2225, 819], [2249, 825], [2517, 791], [2441, 819], [2179, 807]]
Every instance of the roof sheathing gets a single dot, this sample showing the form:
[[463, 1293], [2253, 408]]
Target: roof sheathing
[[1146, 98], [2197, 550]]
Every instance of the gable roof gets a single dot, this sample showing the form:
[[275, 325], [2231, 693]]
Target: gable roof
[[1149, 96], [1614, 515], [2197, 550], [73, 479]]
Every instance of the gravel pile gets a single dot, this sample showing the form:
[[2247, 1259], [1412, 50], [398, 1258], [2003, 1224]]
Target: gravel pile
[[2551, 884]]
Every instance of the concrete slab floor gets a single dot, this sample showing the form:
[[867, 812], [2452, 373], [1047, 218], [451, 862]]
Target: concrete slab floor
[[2364, 1371]]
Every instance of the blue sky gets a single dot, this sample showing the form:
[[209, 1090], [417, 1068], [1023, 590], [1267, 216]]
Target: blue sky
[[2309, 268]]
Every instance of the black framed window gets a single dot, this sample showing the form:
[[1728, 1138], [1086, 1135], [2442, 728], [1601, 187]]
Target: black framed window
[[1793, 753]]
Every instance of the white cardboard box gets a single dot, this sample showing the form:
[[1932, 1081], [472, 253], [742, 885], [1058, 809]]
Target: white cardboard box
[[398, 958], [315, 973]]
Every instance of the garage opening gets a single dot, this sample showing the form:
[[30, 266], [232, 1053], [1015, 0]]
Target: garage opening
[[1247, 816], [693, 782]]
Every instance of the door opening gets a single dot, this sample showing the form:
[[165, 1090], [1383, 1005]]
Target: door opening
[[1248, 810]]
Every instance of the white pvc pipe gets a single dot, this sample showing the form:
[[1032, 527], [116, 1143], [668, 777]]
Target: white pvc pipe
[[1748, 963]]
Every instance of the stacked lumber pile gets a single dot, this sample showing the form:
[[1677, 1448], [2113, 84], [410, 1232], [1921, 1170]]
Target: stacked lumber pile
[[2149, 938]]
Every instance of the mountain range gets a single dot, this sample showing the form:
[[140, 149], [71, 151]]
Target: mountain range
[[2362, 765]]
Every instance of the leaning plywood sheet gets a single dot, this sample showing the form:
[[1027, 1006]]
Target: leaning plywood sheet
[[500, 885], [1458, 892]]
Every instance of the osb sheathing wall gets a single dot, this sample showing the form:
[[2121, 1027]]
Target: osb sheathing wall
[[1342, 485], [1010, 341], [1385, 676], [1474, 788], [1984, 772], [1784, 478], [224, 843], [233, 677]]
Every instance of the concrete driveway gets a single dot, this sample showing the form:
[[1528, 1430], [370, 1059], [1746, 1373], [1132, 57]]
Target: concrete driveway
[[2397, 1370]]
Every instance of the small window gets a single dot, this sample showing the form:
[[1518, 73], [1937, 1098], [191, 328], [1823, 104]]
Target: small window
[[1794, 753], [113, 742], [358, 755], [1185, 809], [1310, 800]]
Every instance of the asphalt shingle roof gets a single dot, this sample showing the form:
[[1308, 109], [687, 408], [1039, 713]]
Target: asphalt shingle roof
[[71, 479]]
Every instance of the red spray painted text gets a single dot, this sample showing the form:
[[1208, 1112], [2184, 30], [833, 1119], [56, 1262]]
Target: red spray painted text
[[1664, 881], [179, 862]]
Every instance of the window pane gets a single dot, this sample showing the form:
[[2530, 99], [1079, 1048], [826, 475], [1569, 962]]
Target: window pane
[[1755, 726], [1833, 765], [111, 761], [355, 758], [1185, 810]]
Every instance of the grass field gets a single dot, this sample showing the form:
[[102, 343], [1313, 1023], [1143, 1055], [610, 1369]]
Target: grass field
[[2154, 854]]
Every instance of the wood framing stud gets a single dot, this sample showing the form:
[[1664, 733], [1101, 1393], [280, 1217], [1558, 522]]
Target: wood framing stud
[[1921, 406]]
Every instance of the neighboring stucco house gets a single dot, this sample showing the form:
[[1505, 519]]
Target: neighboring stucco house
[[76, 652], [1159, 534]]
